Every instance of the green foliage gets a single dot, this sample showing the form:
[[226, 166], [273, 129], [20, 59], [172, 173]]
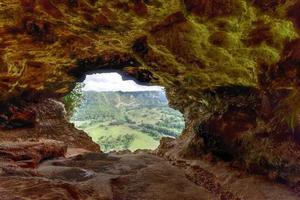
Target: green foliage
[[259, 154], [211, 103], [108, 116], [121, 142], [111, 138], [73, 99], [289, 109]]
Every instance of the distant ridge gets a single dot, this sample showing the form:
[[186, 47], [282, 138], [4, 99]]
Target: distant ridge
[[127, 120]]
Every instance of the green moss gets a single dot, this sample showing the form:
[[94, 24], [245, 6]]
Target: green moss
[[288, 110], [219, 44], [265, 54], [281, 30], [258, 156], [73, 100]]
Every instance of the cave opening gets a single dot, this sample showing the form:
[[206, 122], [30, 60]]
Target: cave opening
[[119, 113]]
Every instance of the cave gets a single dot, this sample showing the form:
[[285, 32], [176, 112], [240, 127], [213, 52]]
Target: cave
[[230, 67], [120, 114]]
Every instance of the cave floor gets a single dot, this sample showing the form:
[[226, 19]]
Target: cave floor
[[135, 176]]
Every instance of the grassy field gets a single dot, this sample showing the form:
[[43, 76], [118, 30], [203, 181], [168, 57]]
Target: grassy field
[[145, 115], [127, 120], [140, 139]]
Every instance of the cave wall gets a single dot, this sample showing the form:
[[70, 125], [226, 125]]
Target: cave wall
[[232, 66], [190, 45], [43, 120]]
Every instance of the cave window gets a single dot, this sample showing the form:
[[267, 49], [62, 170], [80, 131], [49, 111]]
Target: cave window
[[121, 114]]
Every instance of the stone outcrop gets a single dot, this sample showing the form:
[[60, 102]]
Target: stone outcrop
[[30, 154], [191, 45], [136, 176], [49, 123], [231, 67]]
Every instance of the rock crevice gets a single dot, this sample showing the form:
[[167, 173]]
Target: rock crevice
[[231, 67]]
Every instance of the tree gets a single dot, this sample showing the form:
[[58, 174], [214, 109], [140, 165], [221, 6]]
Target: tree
[[73, 99]]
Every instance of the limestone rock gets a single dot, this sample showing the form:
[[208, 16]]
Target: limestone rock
[[49, 45], [231, 67], [138, 176], [50, 123], [30, 154]]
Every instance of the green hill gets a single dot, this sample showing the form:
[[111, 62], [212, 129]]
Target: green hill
[[127, 120]]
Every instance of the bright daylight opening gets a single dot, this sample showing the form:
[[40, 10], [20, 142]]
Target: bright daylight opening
[[122, 115]]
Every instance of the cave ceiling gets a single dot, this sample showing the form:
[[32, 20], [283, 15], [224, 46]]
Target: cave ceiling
[[187, 46]]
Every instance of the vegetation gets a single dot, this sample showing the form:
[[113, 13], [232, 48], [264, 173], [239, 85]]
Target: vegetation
[[127, 120], [73, 99], [289, 109], [117, 143]]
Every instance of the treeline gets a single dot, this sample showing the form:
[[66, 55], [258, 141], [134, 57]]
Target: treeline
[[154, 131], [117, 143], [149, 128]]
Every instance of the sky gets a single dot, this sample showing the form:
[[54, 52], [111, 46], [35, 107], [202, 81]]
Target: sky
[[113, 82]]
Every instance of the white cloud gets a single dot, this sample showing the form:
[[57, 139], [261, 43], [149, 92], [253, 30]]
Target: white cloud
[[113, 82]]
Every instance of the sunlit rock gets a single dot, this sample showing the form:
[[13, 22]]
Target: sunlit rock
[[30, 154], [231, 67]]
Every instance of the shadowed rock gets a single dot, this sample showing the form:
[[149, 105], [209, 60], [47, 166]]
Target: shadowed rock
[[30, 154], [206, 53]]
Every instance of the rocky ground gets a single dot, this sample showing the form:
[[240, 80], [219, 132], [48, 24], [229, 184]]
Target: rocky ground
[[49, 122], [231, 67], [123, 176], [34, 166]]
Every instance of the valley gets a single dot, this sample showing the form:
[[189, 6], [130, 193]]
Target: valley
[[127, 120]]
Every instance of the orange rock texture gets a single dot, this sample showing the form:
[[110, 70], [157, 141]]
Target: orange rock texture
[[231, 67], [49, 123], [30, 154], [46, 46]]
